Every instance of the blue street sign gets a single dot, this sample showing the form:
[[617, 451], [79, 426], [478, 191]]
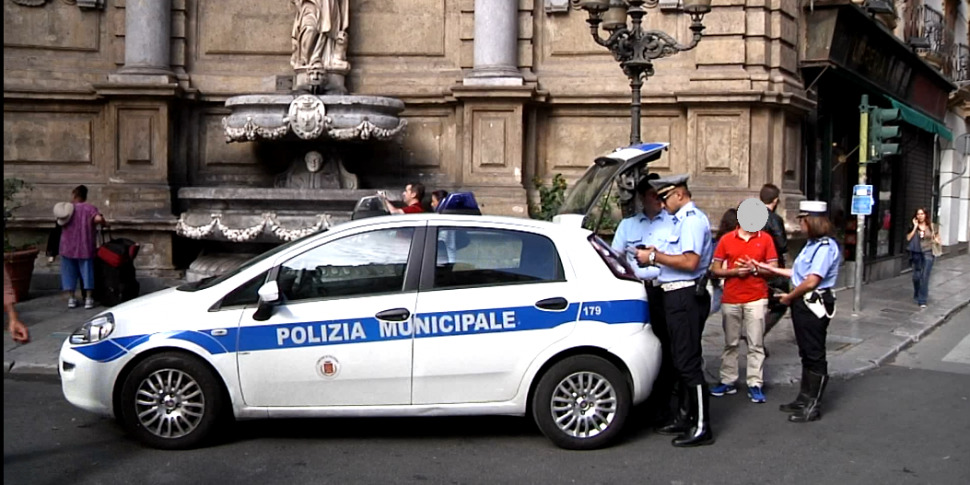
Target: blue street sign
[[861, 205]]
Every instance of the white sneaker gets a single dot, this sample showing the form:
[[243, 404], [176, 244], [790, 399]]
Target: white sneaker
[[72, 302], [89, 303]]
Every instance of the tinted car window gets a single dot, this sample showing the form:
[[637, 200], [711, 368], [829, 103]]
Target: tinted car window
[[245, 294], [366, 263], [476, 257]]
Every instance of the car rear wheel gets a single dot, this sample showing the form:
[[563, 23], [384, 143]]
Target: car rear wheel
[[170, 401], [581, 402]]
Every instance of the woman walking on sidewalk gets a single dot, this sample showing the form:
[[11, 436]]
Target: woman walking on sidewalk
[[812, 306], [922, 239]]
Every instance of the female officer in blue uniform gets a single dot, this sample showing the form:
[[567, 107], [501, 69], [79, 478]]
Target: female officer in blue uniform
[[812, 305]]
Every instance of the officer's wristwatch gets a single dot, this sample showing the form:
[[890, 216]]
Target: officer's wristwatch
[[653, 258]]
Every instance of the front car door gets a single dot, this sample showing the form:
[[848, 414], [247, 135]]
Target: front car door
[[492, 298], [332, 341]]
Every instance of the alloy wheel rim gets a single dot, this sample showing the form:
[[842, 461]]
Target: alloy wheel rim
[[169, 403], [583, 404]]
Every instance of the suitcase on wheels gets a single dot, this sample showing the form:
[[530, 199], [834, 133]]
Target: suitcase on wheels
[[114, 271]]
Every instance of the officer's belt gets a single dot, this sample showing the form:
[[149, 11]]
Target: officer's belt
[[676, 285], [654, 283]]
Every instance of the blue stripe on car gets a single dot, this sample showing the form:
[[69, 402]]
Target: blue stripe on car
[[428, 325]]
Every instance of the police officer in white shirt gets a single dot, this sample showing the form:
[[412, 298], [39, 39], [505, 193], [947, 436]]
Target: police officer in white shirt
[[812, 306], [685, 258], [651, 227]]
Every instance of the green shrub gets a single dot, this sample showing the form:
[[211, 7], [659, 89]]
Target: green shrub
[[550, 197]]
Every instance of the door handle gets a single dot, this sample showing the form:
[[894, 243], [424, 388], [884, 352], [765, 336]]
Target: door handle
[[558, 303], [394, 315]]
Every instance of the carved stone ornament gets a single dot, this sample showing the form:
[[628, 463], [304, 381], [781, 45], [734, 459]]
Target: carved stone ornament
[[308, 117], [250, 131], [29, 3], [79, 3]]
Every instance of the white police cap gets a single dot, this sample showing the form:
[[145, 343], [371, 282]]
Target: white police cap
[[812, 208]]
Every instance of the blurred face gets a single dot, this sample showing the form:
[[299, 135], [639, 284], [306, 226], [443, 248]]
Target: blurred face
[[409, 194], [434, 202], [804, 224], [920, 216]]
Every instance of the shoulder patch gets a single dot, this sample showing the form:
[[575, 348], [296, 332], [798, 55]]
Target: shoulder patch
[[689, 213]]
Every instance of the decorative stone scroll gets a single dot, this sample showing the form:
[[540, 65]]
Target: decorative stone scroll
[[247, 234], [365, 131]]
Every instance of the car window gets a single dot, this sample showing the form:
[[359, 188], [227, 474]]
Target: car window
[[477, 257], [362, 264], [246, 294]]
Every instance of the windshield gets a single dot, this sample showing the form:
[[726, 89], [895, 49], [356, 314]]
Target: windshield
[[587, 189], [215, 280]]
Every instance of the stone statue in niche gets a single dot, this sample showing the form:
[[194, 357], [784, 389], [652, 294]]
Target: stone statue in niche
[[319, 42], [315, 171]]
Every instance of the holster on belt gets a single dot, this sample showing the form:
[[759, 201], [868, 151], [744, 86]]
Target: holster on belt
[[701, 286], [820, 304]]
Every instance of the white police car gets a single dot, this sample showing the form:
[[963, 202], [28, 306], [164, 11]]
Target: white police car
[[414, 315]]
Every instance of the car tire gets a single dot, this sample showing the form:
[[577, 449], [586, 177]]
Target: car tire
[[582, 402], [171, 401]]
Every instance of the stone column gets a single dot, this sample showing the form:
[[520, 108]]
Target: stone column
[[148, 32], [496, 44]]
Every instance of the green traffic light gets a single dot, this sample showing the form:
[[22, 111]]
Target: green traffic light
[[881, 136]]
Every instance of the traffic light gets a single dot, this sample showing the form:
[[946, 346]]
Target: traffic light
[[882, 141]]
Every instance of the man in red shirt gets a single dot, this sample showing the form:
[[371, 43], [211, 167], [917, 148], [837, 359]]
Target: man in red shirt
[[744, 303], [412, 196]]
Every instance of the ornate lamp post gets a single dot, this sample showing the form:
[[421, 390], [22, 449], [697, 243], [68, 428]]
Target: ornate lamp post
[[634, 47]]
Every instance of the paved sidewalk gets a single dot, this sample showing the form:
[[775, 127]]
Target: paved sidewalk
[[889, 322]]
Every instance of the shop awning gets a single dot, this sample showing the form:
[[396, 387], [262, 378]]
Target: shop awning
[[921, 121]]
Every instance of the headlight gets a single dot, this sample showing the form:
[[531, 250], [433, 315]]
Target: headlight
[[95, 330]]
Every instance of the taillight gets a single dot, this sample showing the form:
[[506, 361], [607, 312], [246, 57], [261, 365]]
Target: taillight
[[615, 261]]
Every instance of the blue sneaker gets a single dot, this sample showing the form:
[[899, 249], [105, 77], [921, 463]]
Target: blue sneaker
[[722, 389], [755, 394]]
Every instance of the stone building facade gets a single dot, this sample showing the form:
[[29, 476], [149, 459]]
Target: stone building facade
[[128, 97]]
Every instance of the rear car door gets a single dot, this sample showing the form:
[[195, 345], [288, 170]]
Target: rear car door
[[491, 299], [330, 342]]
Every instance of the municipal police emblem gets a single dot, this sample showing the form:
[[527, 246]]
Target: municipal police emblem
[[328, 366], [307, 117]]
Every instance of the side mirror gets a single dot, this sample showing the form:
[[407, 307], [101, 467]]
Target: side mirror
[[269, 297]]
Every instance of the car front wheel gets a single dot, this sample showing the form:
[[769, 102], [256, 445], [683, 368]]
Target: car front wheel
[[170, 401], [581, 402]]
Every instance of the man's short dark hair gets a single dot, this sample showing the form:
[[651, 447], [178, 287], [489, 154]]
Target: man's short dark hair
[[81, 192], [769, 192], [418, 188]]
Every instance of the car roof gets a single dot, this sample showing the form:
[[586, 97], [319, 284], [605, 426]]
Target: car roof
[[471, 220]]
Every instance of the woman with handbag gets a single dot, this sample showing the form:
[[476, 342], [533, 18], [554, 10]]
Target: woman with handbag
[[924, 247]]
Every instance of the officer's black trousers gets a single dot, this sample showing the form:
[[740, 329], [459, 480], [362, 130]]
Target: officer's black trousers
[[810, 332], [664, 385], [684, 325]]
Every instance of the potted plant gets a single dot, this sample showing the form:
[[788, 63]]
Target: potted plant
[[18, 260]]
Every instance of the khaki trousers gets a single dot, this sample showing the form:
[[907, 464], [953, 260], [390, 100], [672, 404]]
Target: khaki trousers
[[752, 317]]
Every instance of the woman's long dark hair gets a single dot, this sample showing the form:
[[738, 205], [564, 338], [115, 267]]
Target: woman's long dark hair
[[729, 222]]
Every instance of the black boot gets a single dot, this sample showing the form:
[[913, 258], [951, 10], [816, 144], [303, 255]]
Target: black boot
[[813, 408], [679, 423], [799, 403], [700, 432]]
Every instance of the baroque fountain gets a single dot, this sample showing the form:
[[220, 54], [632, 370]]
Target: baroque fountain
[[311, 125]]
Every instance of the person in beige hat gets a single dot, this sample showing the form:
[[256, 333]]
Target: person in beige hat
[[63, 212], [78, 246]]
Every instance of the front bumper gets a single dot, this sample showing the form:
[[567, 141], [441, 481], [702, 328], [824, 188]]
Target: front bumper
[[642, 354], [88, 384]]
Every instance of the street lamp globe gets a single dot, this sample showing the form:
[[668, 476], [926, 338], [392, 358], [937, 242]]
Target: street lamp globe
[[697, 7]]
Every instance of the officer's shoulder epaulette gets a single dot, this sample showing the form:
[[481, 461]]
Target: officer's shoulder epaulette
[[689, 213]]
